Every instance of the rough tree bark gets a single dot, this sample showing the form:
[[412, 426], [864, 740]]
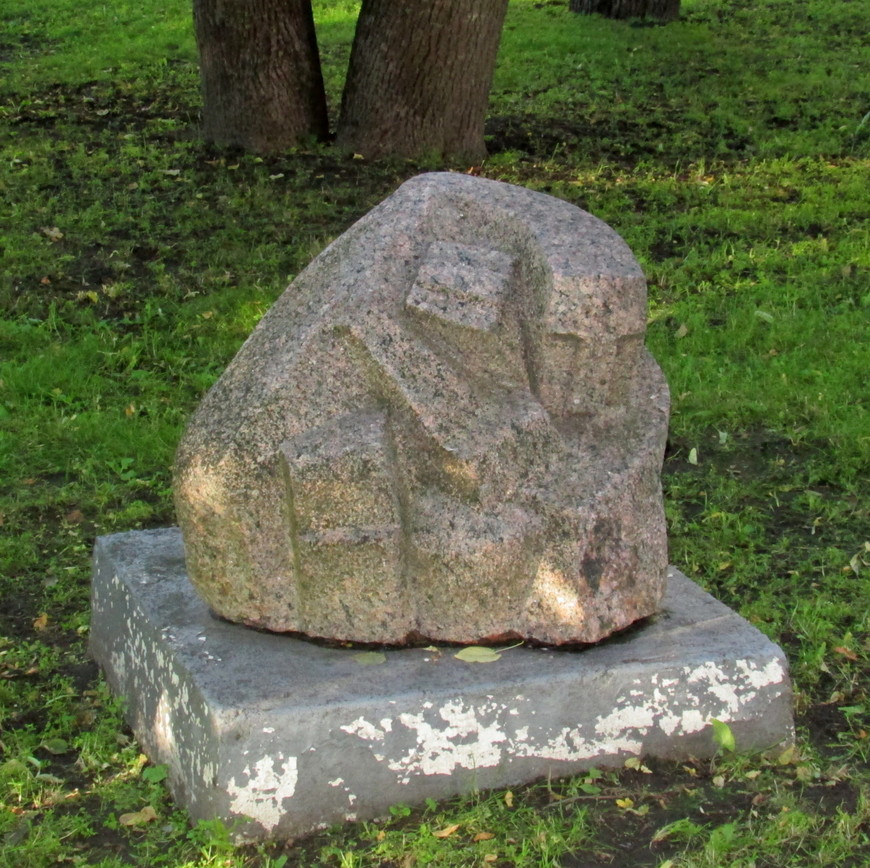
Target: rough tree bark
[[663, 10], [419, 78], [260, 70]]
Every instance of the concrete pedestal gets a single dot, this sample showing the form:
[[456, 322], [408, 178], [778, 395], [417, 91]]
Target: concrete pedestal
[[278, 736]]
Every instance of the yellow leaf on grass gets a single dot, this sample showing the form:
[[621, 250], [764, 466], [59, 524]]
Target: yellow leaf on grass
[[634, 762], [483, 836], [41, 622], [509, 799], [625, 803], [138, 818], [447, 831], [788, 756]]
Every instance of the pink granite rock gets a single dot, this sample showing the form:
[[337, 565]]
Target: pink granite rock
[[448, 427]]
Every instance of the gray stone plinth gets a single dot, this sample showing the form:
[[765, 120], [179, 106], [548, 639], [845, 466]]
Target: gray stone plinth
[[278, 736]]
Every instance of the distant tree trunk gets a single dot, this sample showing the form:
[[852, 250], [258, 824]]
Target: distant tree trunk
[[664, 10], [261, 80], [419, 78]]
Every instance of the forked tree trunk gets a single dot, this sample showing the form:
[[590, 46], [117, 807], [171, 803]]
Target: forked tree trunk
[[261, 80], [419, 78], [663, 10]]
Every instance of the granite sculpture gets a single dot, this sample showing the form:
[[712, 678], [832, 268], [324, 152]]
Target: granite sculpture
[[448, 428]]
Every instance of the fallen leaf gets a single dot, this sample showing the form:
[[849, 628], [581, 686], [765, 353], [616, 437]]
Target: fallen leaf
[[490, 857], [138, 818], [477, 654], [74, 516], [52, 233], [846, 652], [682, 331], [41, 622], [693, 456], [56, 746], [625, 803], [788, 756], [483, 836], [447, 831], [719, 782], [370, 658], [509, 799], [633, 762]]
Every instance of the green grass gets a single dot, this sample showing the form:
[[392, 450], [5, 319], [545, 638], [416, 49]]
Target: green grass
[[727, 148]]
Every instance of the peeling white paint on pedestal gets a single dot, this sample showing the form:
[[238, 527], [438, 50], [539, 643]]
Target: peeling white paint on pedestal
[[461, 735], [272, 781]]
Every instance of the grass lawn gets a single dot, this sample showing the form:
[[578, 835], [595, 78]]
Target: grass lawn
[[730, 149]]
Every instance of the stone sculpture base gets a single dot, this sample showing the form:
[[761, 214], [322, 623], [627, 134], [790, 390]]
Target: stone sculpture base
[[278, 736]]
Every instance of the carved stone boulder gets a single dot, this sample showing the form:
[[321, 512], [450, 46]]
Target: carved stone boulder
[[447, 428]]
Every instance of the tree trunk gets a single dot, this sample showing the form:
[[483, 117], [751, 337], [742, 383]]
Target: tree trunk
[[261, 80], [664, 10], [419, 78]]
